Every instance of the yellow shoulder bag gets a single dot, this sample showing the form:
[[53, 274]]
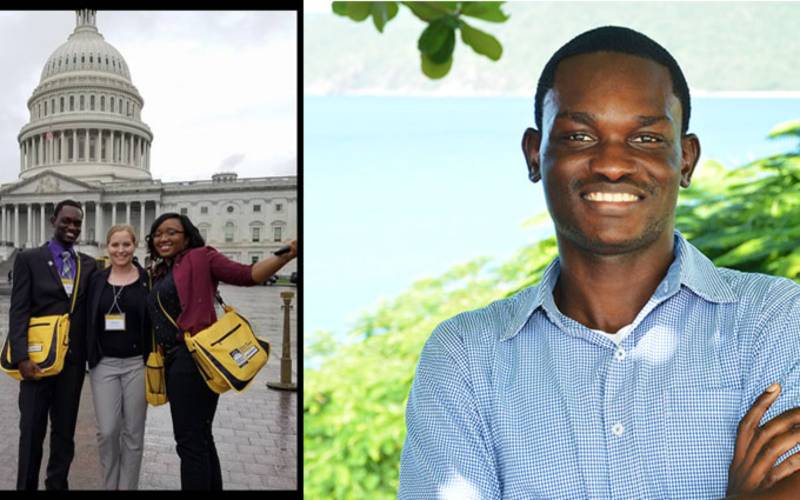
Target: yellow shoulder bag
[[48, 339], [154, 376], [227, 353]]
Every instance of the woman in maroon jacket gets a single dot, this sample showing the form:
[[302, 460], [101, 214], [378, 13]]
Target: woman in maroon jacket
[[185, 277]]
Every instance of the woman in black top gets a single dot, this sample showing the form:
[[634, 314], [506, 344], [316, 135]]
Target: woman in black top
[[185, 276], [118, 339]]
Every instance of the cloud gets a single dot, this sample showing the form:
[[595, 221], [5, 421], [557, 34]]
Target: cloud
[[230, 162], [212, 83]]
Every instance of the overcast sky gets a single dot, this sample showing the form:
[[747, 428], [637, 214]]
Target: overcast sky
[[219, 88]]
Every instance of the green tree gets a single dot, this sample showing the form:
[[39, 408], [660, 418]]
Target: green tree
[[746, 218], [437, 42]]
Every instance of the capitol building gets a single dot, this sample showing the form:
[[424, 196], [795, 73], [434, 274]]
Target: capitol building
[[85, 140]]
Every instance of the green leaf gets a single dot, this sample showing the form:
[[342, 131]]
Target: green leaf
[[434, 70], [481, 42], [357, 11], [339, 8], [488, 11], [382, 13], [426, 11], [438, 41], [785, 129]]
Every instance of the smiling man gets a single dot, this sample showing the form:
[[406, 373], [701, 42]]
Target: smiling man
[[636, 368], [45, 280]]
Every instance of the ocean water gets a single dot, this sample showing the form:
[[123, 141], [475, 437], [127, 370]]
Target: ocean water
[[401, 188]]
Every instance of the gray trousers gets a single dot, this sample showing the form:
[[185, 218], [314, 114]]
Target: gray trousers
[[118, 390]]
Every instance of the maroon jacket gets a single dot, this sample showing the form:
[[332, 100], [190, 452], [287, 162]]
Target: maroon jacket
[[196, 273]]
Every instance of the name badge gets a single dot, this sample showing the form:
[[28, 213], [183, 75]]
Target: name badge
[[115, 322], [68, 283]]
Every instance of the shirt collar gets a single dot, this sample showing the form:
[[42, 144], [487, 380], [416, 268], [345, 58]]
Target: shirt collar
[[689, 268], [57, 247]]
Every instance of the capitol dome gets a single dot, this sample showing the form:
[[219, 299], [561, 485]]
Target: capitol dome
[[86, 50], [85, 114]]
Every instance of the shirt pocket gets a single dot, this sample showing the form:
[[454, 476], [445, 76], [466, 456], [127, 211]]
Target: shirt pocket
[[700, 427]]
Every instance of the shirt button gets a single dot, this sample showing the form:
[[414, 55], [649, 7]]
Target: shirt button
[[620, 354], [618, 429]]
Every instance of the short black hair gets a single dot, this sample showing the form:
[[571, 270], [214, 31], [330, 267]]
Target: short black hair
[[615, 39], [67, 203]]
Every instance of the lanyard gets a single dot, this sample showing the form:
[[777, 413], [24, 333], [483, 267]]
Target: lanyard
[[116, 297]]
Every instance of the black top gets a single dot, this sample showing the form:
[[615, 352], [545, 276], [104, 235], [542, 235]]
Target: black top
[[137, 320], [166, 333], [122, 343]]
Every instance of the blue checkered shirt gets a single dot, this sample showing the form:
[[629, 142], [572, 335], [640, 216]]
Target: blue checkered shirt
[[516, 400]]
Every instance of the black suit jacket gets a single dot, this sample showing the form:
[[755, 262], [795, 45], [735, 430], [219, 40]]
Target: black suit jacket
[[95, 327], [37, 291]]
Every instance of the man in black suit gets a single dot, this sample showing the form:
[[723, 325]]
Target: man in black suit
[[44, 281]]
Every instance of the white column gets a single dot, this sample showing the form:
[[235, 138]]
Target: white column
[[127, 212], [83, 222], [98, 214], [291, 221], [16, 225], [141, 220], [51, 149], [110, 147], [74, 145], [122, 147], [28, 226], [114, 213], [4, 230], [158, 210], [41, 222], [86, 147]]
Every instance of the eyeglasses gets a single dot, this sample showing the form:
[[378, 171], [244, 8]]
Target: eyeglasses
[[169, 233]]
